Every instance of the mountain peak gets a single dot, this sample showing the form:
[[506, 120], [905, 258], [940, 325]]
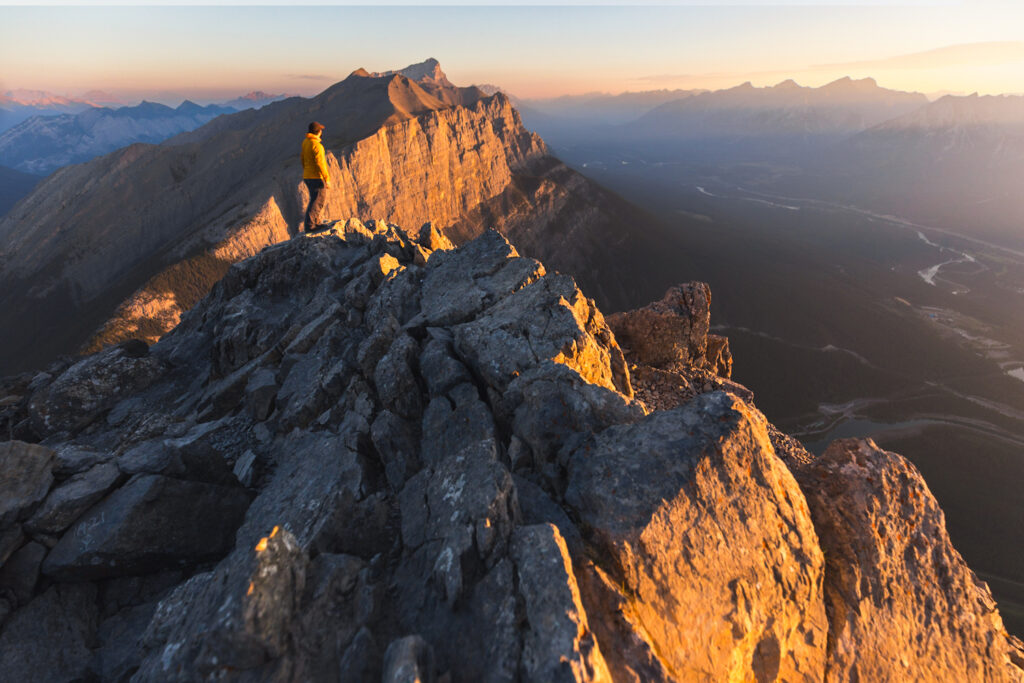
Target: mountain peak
[[428, 71], [847, 84], [788, 84]]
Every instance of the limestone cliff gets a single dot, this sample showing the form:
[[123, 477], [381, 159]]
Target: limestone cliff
[[368, 456], [120, 247]]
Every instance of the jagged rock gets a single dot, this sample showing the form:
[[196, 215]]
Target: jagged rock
[[50, 639], [245, 623], [409, 660], [118, 656], [901, 601], [92, 386], [558, 644], [467, 502], [433, 239], [672, 330], [69, 500], [398, 298], [26, 474], [250, 629], [711, 535], [448, 428], [538, 508], [149, 523], [439, 368], [149, 457], [549, 319], [459, 284], [332, 582]]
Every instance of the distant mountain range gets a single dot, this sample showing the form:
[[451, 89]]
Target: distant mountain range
[[36, 140], [604, 108], [20, 105], [786, 110], [43, 144], [954, 162]]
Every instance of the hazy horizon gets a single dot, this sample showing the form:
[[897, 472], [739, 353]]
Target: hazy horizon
[[209, 54], [206, 97]]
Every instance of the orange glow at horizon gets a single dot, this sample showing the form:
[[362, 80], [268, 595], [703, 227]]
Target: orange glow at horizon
[[216, 53]]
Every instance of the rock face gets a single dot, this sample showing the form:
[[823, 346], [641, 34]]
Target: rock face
[[120, 247], [712, 539], [367, 456], [899, 596]]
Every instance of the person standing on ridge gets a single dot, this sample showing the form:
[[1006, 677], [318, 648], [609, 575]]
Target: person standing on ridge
[[314, 174]]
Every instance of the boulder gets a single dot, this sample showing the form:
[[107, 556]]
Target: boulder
[[19, 574], [433, 239], [260, 392], [395, 378], [672, 330]]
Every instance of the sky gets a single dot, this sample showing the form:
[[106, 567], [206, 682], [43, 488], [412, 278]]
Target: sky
[[166, 53]]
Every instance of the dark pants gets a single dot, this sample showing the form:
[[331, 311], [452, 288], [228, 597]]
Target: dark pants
[[317, 197]]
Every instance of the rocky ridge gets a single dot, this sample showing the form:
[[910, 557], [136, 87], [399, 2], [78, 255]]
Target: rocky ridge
[[366, 455]]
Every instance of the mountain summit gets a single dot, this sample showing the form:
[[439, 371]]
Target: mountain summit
[[427, 71]]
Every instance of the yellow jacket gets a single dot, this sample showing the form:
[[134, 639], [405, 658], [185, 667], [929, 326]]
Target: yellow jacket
[[314, 162]]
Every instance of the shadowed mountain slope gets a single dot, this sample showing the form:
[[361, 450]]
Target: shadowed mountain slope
[[13, 186]]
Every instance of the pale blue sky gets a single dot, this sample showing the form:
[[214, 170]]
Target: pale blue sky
[[211, 52]]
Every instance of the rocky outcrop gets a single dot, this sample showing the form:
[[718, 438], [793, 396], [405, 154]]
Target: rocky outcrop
[[673, 356], [367, 456], [901, 601]]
